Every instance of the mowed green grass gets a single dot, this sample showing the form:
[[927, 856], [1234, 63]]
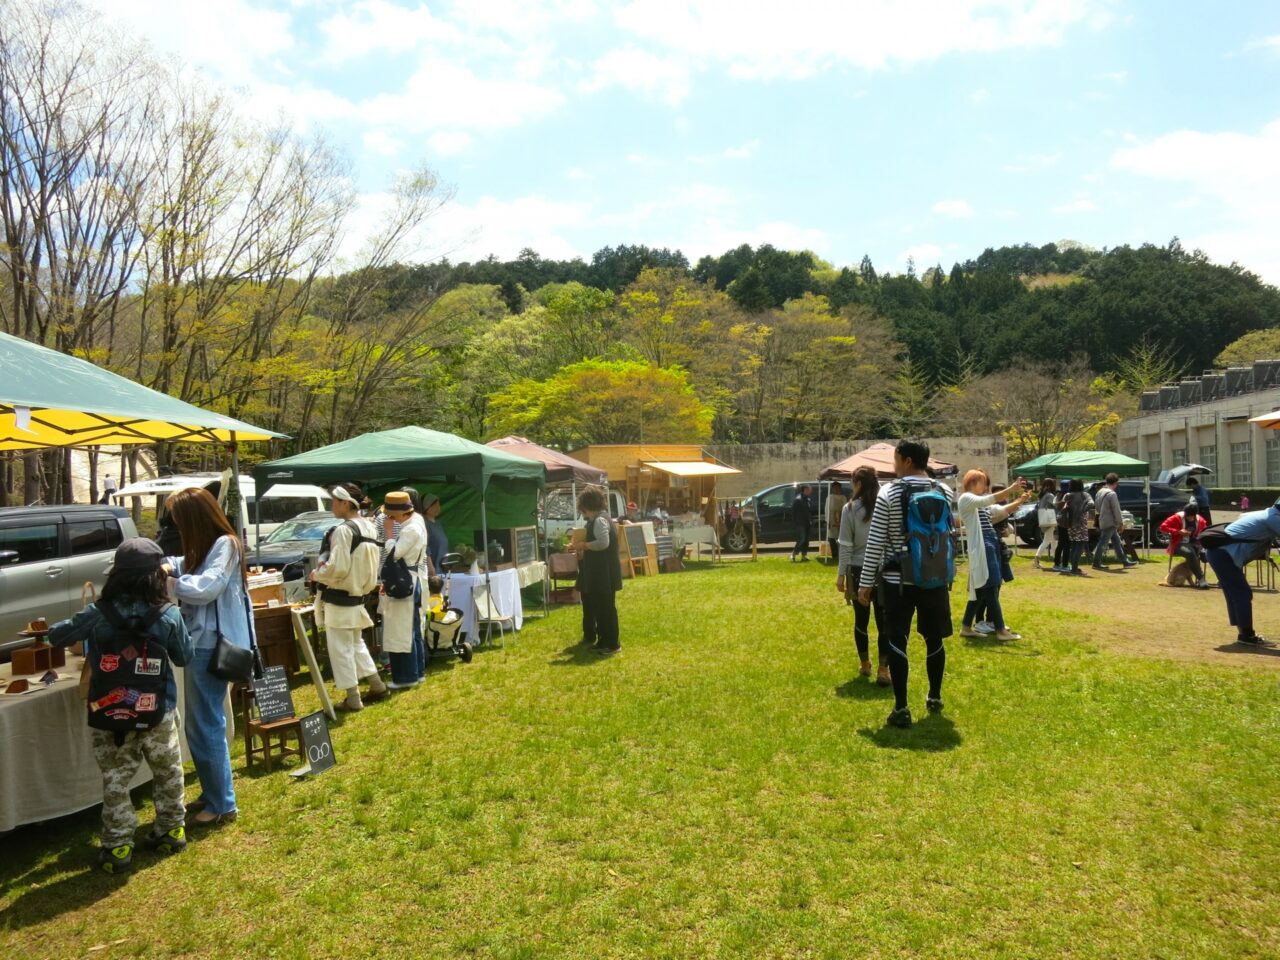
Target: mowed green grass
[[726, 788]]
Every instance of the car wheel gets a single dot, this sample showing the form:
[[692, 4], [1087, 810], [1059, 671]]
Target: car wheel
[[1031, 536], [737, 540]]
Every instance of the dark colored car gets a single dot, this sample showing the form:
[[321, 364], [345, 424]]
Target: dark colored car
[[1165, 502], [288, 547], [770, 510]]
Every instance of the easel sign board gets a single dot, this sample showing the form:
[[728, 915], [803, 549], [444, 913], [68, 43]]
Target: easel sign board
[[316, 744], [272, 695], [636, 543], [526, 545]]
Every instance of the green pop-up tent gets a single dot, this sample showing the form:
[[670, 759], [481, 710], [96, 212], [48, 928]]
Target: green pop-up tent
[[480, 488], [1082, 465]]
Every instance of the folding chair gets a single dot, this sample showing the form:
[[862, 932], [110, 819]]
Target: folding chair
[[489, 615]]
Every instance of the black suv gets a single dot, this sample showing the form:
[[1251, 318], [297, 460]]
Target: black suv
[[1165, 502]]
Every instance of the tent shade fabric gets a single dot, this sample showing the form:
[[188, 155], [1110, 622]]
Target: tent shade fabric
[[1269, 421], [559, 467], [1082, 465], [690, 468], [879, 456], [52, 399], [405, 454]]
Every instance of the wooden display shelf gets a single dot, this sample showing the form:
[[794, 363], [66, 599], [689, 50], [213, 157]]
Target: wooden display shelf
[[37, 659]]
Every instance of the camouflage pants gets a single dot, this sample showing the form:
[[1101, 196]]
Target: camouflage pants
[[119, 764]]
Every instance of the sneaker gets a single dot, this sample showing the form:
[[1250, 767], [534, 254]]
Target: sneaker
[[1007, 635], [116, 859], [392, 685], [1130, 563], [171, 841], [1099, 566], [608, 651], [1255, 641], [900, 717], [984, 629], [933, 704]]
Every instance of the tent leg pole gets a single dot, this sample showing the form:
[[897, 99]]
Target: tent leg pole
[[488, 584]]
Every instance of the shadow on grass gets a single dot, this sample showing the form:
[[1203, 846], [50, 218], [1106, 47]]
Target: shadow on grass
[[578, 655], [934, 733], [863, 688], [1016, 648], [1249, 649]]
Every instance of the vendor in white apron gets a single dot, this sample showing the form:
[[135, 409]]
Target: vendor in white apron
[[347, 572], [407, 541]]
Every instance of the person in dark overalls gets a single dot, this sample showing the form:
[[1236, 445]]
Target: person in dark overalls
[[802, 517], [599, 574]]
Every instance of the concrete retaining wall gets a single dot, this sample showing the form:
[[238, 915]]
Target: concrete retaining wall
[[766, 464]]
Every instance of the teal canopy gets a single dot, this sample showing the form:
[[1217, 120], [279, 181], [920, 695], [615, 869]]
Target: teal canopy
[[1082, 465], [476, 484]]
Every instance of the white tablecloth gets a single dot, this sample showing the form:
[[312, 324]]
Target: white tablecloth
[[699, 535], [531, 573], [47, 768], [504, 588]]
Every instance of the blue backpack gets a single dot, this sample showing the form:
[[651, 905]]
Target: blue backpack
[[929, 554]]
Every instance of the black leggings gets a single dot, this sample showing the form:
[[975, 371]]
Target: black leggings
[[862, 619], [1192, 556], [600, 618], [933, 623], [1062, 552]]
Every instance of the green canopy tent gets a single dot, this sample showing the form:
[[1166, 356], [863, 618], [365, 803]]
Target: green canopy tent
[[50, 399], [1082, 465], [480, 488]]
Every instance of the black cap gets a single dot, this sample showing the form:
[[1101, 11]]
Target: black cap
[[140, 554]]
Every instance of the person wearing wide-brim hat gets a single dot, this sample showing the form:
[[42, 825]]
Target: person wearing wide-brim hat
[[406, 540]]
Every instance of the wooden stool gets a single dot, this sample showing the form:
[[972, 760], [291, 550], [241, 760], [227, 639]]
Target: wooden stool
[[270, 741]]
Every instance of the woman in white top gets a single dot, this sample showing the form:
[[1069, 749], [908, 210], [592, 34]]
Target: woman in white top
[[975, 506], [855, 523]]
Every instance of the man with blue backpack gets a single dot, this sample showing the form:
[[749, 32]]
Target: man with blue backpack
[[910, 560]]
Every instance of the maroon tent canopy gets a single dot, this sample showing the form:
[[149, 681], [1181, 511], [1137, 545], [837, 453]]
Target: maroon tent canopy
[[880, 457], [560, 467]]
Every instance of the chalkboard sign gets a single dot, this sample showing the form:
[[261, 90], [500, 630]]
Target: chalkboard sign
[[636, 546], [272, 695], [526, 544], [316, 743]]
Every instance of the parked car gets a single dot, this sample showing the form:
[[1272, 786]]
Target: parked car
[[281, 501], [290, 545], [1165, 502], [561, 515], [47, 554], [770, 512]]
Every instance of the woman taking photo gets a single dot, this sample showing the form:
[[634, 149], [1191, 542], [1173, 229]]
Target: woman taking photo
[[209, 584], [983, 544], [855, 524]]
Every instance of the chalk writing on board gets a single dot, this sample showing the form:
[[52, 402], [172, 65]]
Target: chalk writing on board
[[316, 742], [636, 547], [272, 695]]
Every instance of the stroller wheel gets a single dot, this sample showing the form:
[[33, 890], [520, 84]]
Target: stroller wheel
[[464, 652]]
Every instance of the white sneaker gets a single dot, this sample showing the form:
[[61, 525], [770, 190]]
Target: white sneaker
[[984, 628]]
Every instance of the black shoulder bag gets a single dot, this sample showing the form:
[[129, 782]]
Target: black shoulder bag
[[232, 663]]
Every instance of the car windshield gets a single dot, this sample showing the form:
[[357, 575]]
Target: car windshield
[[301, 528]]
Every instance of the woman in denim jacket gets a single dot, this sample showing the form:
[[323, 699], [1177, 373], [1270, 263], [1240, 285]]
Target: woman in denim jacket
[[208, 581]]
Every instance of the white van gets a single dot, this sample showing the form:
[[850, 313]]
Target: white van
[[281, 502], [560, 513]]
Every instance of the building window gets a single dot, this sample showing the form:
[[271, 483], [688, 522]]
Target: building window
[[1154, 459], [1179, 456], [1273, 462], [1241, 464], [1209, 458]]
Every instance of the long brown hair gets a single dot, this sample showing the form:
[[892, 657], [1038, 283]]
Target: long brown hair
[[200, 523], [869, 488]]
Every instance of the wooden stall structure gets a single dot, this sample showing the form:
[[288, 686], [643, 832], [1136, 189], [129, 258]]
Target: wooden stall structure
[[680, 478]]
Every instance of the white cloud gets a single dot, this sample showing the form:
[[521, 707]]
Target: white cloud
[[447, 143], [960, 209], [981, 95], [742, 152], [751, 39], [376, 26], [441, 94], [1271, 43], [382, 143], [1078, 205], [504, 228], [1026, 162], [1115, 76], [1235, 173], [924, 255], [575, 174], [639, 71]]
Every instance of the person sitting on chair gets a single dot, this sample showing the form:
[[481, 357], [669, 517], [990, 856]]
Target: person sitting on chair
[[1184, 531]]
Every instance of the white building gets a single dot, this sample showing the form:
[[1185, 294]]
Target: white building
[[1205, 420]]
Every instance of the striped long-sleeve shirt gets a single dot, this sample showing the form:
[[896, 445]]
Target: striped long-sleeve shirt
[[885, 538]]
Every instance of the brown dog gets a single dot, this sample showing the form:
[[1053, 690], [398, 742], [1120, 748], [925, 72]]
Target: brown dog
[[1179, 576]]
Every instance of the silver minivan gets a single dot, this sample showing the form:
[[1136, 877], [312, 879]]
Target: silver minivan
[[47, 554]]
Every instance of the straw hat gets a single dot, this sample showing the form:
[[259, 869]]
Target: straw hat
[[396, 501]]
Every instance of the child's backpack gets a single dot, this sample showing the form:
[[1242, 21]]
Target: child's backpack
[[929, 555], [128, 673]]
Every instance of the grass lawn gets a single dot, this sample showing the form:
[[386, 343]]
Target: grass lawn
[[726, 788]]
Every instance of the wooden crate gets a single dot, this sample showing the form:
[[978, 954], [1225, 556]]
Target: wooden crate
[[276, 643]]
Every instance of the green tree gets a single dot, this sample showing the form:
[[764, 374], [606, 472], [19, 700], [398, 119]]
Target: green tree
[[601, 401], [1255, 345]]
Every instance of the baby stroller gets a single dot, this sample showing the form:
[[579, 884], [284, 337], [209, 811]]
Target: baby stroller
[[444, 623]]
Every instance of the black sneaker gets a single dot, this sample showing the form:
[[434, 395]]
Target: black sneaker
[[899, 718], [1253, 640], [116, 859], [933, 704], [171, 841]]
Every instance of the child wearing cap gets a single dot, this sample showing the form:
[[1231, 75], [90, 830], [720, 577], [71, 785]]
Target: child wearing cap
[[136, 588]]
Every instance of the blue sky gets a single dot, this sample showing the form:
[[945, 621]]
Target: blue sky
[[929, 129]]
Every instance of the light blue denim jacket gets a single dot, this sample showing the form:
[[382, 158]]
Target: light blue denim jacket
[[216, 585]]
